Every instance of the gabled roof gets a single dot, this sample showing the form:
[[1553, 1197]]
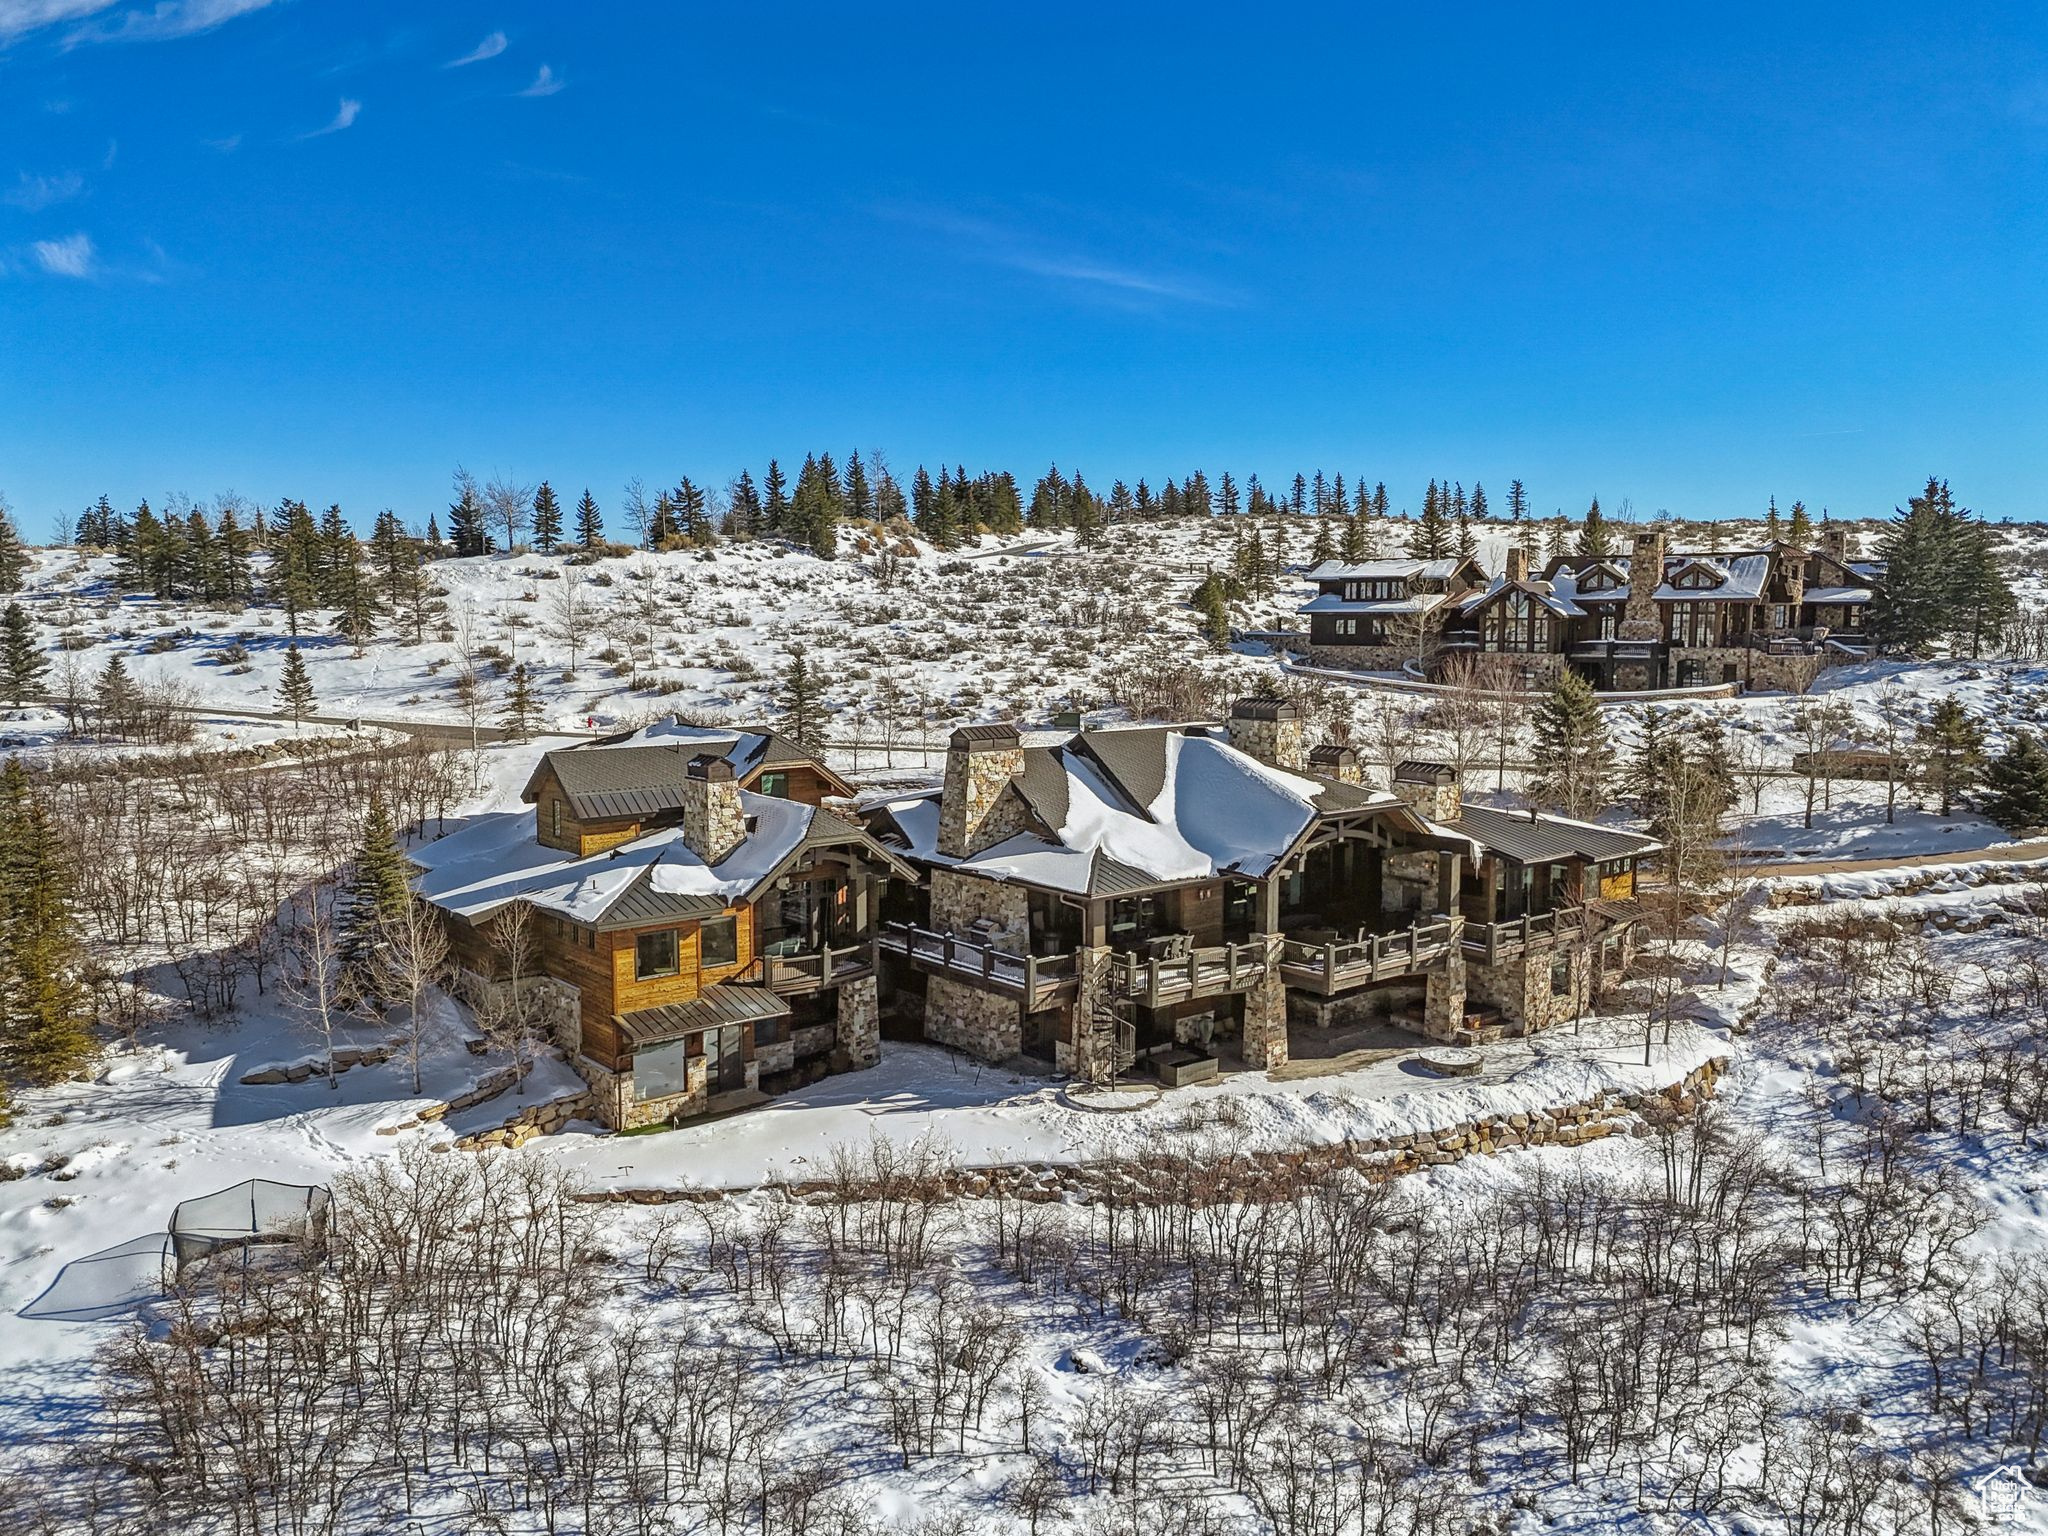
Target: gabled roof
[[1331, 602], [1387, 570], [652, 879], [1542, 592], [633, 765], [1145, 808], [1515, 835]]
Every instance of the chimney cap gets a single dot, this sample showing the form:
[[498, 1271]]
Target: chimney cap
[[997, 736], [1263, 706], [1331, 752], [710, 767], [1420, 771]]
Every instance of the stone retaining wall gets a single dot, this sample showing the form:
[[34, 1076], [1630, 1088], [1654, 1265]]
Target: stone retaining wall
[[1273, 1176]]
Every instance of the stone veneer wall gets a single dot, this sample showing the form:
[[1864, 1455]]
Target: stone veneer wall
[[1443, 993], [1282, 743], [974, 811], [1520, 989], [1360, 658], [1274, 1176], [858, 1035], [1265, 1014], [958, 901], [988, 1025], [713, 822]]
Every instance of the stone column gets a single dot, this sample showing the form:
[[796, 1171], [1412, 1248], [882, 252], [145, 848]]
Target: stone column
[[1443, 996], [1078, 1056], [859, 1033], [1265, 1014]]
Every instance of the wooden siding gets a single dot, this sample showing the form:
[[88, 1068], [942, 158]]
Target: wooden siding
[[806, 785], [578, 837], [603, 974]]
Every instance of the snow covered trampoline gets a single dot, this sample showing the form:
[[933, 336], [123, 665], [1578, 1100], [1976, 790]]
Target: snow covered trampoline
[[254, 1211]]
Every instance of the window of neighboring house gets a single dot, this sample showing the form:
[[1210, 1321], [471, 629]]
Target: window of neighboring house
[[718, 942], [1561, 974], [1693, 624], [555, 820], [776, 784], [661, 1070], [1347, 626], [654, 954]]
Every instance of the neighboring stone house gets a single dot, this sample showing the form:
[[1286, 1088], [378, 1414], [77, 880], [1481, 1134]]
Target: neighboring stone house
[[1550, 913], [1092, 895], [1756, 618], [696, 942], [1381, 614]]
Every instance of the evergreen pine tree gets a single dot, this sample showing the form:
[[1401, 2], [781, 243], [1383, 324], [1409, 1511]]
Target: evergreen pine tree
[[1431, 538], [1467, 543], [13, 555], [295, 687], [45, 1022], [1596, 539], [22, 663], [547, 519], [774, 501], [803, 706], [520, 705], [1774, 525], [1575, 759], [231, 552], [378, 888], [860, 501], [589, 521], [467, 534], [1950, 744], [2016, 786], [1518, 501], [1799, 527], [1324, 547], [114, 699], [1213, 607]]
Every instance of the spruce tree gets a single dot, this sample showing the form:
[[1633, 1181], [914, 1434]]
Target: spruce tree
[[1575, 758], [45, 1021], [466, 531], [1431, 538], [774, 501], [13, 554], [589, 521], [1774, 525], [1518, 501], [860, 502], [1212, 604], [520, 705], [22, 663], [803, 706], [1596, 539], [547, 519], [742, 507], [114, 699], [1799, 527], [2016, 786], [1950, 745], [295, 687], [378, 888]]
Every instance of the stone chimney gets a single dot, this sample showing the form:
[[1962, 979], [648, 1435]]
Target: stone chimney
[[1834, 542], [1517, 567], [1639, 619], [1430, 788], [1335, 762], [981, 760], [1269, 729], [713, 822]]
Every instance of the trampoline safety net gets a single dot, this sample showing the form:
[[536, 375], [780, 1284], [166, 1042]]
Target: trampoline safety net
[[254, 1211]]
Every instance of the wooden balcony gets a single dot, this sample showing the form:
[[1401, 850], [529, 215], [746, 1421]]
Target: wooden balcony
[[798, 974], [1038, 979], [1328, 969], [1491, 943], [1212, 971]]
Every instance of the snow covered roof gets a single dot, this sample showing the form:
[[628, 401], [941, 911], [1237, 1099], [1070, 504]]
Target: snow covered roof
[[497, 859], [1385, 570], [1847, 596], [1543, 591], [1540, 838], [1742, 578], [1140, 808], [645, 767], [1330, 602]]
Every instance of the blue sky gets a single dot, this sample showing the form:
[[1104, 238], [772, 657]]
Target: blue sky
[[1686, 259]]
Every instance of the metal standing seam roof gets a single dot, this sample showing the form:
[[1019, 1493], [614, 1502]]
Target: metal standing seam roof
[[1133, 760], [715, 1007], [616, 781], [1513, 835]]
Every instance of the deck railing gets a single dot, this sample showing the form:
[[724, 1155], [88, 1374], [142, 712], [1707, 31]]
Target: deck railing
[[1338, 967], [1038, 978], [816, 969], [1210, 971], [1489, 942]]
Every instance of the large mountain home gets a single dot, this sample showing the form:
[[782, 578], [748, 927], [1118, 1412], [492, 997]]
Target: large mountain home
[[1756, 618], [695, 941]]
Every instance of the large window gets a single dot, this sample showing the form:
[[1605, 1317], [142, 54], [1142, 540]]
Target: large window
[[660, 1070], [654, 954], [1695, 624], [718, 942], [776, 784], [1517, 623]]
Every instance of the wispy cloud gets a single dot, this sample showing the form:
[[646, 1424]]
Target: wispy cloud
[[350, 110], [226, 146], [113, 151], [35, 193], [106, 21], [489, 48], [72, 256], [1006, 245], [544, 83]]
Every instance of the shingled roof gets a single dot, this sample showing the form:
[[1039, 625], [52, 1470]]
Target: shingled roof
[[1543, 839]]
